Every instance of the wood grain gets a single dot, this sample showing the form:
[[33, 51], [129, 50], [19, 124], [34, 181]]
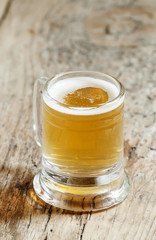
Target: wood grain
[[47, 37]]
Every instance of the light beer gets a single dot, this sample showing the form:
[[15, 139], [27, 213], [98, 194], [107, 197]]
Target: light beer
[[82, 141], [82, 125]]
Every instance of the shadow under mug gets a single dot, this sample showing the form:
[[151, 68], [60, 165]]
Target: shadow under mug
[[82, 148]]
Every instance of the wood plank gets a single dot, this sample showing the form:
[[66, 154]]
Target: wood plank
[[47, 37]]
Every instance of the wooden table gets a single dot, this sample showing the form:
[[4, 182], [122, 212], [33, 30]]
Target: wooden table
[[47, 37]]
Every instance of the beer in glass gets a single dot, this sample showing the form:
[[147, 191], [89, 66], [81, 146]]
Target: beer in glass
[[82, 142]]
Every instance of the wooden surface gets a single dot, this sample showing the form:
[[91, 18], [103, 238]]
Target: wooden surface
[[47, 37]]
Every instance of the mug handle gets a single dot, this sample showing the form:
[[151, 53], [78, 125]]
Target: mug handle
[[38, 109]]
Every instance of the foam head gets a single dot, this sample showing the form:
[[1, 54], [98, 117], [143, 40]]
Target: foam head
[[58, 91]]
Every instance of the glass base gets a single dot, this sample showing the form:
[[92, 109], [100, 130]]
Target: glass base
[[81, 195]]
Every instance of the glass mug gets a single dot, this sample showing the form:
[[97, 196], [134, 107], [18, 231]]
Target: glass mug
[[78, 122]]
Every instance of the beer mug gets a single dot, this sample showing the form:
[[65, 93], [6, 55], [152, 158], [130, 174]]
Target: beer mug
[[78, 123]]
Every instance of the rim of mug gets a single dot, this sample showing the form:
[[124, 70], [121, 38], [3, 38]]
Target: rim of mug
[[88, 74]]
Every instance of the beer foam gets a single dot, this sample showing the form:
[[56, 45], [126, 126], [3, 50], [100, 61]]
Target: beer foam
[[58, 90]]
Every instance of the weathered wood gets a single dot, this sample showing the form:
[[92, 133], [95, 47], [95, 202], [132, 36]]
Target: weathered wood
[[46, 37]]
